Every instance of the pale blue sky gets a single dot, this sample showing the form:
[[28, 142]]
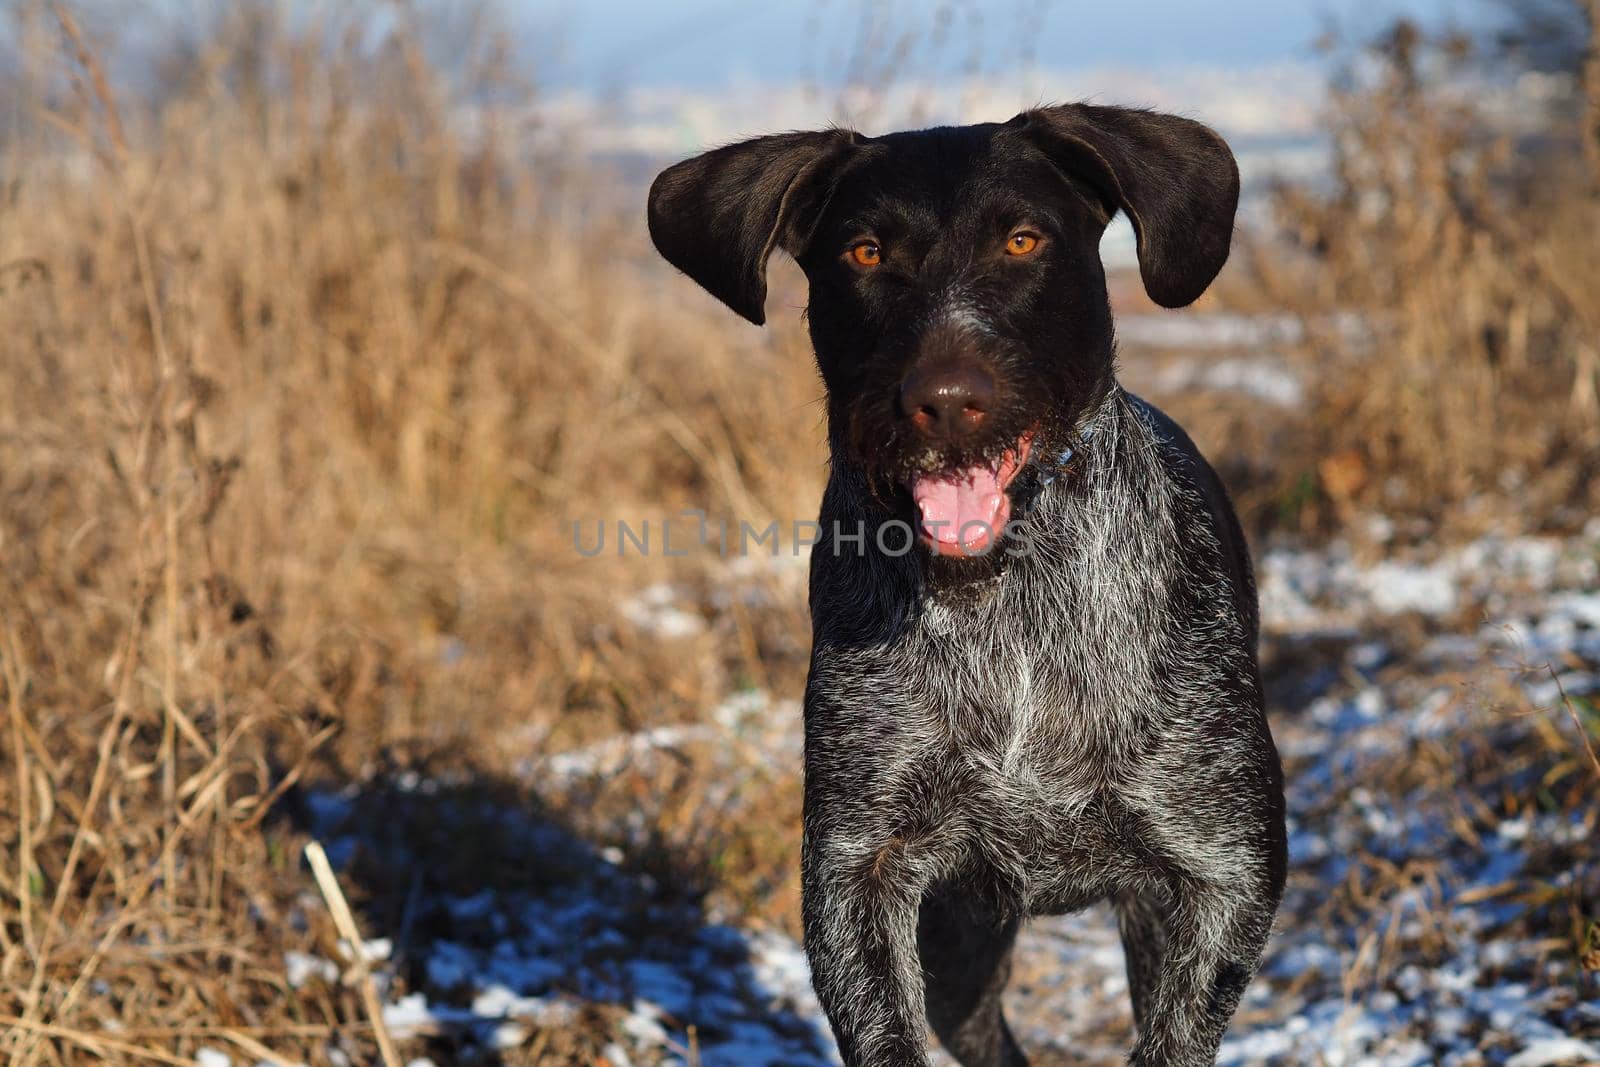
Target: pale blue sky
[[607, 44]]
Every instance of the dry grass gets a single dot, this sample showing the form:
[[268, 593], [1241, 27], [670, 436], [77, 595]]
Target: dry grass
[[304, 379], [301, 392], [1446, 290]]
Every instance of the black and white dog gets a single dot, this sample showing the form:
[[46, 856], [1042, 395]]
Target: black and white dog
[[1053, 698]]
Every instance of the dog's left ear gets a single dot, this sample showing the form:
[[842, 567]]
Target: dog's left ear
[[717, 217], [1174, 178]]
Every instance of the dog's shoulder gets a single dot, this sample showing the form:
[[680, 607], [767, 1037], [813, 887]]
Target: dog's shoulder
[[1199, 481], [1178, 450]]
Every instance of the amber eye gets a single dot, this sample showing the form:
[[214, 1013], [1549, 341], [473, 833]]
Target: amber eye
[[1021, 244], [866, 254]]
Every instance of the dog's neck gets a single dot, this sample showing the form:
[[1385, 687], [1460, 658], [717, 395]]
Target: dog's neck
[[1070, 501], [1095, 436]]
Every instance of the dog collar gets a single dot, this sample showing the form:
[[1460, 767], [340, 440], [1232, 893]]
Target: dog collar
[[1056, 469]]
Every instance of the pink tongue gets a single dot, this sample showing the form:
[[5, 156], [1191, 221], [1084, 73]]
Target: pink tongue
[[960, 509]]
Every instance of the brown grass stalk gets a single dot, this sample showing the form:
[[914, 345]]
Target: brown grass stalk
[[344, 919]]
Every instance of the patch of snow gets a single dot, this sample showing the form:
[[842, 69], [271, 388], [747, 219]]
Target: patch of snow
[[1553, 1050], [1264, 379], [1329, 590], [375, 950], [657, 609], [503, 964], [1397, 587], [302, 967], [1582, 608], [1217, 329], [409, 1015], [607, 757]]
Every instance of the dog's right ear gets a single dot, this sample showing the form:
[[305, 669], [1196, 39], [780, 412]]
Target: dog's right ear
[[717, 217]]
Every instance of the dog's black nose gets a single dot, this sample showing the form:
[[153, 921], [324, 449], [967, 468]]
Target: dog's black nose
[[946, 402]]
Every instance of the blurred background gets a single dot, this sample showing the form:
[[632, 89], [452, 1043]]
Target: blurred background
[[324, 322]]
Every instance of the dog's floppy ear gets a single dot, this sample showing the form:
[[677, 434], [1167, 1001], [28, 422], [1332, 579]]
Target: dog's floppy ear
[[1174, 178], [717, 217]]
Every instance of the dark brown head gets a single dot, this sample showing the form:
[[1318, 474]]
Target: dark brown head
[[958, 304]]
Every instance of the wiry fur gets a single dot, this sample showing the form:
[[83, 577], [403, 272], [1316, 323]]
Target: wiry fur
[[1085, 726], [1076, 715]]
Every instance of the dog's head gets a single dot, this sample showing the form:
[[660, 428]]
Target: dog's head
[[958, 304]]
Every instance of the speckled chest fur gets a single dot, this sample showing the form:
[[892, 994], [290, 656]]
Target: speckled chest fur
[[1014, 718]]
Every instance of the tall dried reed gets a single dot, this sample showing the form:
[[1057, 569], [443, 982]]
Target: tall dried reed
[[312, 354], [1448, 295]]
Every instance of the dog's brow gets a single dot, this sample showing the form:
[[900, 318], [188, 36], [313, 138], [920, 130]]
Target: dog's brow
[[1018, 206], [900, 211]]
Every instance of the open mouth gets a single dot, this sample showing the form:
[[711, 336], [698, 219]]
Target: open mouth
[[964, 511]]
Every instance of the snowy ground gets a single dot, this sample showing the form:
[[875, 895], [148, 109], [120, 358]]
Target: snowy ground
[[1404, 938]]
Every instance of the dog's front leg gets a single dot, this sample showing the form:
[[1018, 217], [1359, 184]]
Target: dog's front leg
[[861, 899], [1215, 934]]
